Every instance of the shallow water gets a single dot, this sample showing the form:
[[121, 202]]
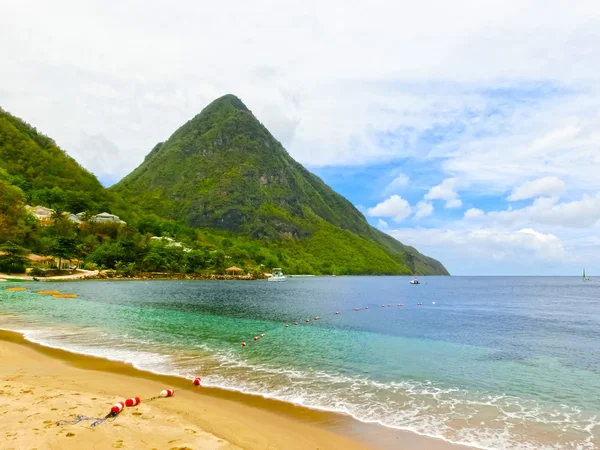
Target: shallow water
[[504, 363]]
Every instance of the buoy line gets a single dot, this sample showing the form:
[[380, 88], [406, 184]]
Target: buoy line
[[337, 313], [118, 407]]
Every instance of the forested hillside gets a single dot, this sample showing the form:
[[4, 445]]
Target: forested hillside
[[221, 187], [45, 173]]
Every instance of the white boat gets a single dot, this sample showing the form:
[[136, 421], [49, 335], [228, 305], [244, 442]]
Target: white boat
[[414, 281], [277, 275]]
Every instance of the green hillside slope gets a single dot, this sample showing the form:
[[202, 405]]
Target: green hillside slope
[[44, 172]]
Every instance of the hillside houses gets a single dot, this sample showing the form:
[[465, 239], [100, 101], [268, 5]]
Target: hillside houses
[[41, 213], [104, 218], [45, 216]]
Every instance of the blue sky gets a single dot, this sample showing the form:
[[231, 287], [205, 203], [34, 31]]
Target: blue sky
[[468, 129]]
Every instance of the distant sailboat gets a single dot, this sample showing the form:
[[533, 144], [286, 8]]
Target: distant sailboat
[[585, 278]]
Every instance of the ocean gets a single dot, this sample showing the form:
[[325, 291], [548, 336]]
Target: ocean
[[491, 362]]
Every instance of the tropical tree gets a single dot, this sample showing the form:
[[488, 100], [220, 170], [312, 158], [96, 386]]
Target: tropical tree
[[12, 257], [64, 247], [218, 260]]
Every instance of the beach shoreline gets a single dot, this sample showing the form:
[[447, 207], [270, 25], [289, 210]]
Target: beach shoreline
[[218, 417]]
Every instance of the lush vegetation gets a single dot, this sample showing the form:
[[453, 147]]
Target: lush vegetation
[[12, 258], [222, 188], [43, 172]]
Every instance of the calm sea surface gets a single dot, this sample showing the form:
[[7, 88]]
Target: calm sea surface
[[502, 363]]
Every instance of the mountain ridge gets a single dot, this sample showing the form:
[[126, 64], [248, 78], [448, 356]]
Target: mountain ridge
[[222, 186]]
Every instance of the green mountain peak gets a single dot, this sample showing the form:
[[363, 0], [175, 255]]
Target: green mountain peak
[[224, 170], [227, 100]]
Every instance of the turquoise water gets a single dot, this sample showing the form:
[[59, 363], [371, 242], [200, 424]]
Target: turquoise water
[[503, 363]]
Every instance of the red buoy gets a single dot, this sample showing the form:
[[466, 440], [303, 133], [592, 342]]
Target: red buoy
[[134, 401], [197, 381], [167, 393], [117, 408], [307, 320], [337, 312], [389, 306], [355, 309], [256, 338], [317, 318], [243, 344]]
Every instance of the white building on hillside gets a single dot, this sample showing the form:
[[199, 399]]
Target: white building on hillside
[[74, 218], [41, 213], [169, 242], [107, 218]]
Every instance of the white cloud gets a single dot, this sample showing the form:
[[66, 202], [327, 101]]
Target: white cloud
[[542, 187], [396, 184], [424, 209], [476, 246], [382, 224], [445, 191], [138, 83], [473, 213], [530, 140], [454, 203], [394, 206], [545, 211]]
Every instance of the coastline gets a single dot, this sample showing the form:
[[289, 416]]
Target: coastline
[[83, 275], [220, 418]]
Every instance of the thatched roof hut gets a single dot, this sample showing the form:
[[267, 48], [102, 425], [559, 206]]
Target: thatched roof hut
[[39, 259]]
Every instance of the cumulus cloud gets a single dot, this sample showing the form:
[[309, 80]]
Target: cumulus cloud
[[396, 184], [542, 187], [423, 209], [494, 159], [394, 206], [483, 244], [473, 213], [545, 211], [445, 191]]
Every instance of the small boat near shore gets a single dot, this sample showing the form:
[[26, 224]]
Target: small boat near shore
[[414, 281], [277, 275]]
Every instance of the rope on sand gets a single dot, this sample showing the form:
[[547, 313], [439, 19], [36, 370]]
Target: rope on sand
[[119, 406], [96, 420]]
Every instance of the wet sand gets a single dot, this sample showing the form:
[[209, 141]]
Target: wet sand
[[40, 386]]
